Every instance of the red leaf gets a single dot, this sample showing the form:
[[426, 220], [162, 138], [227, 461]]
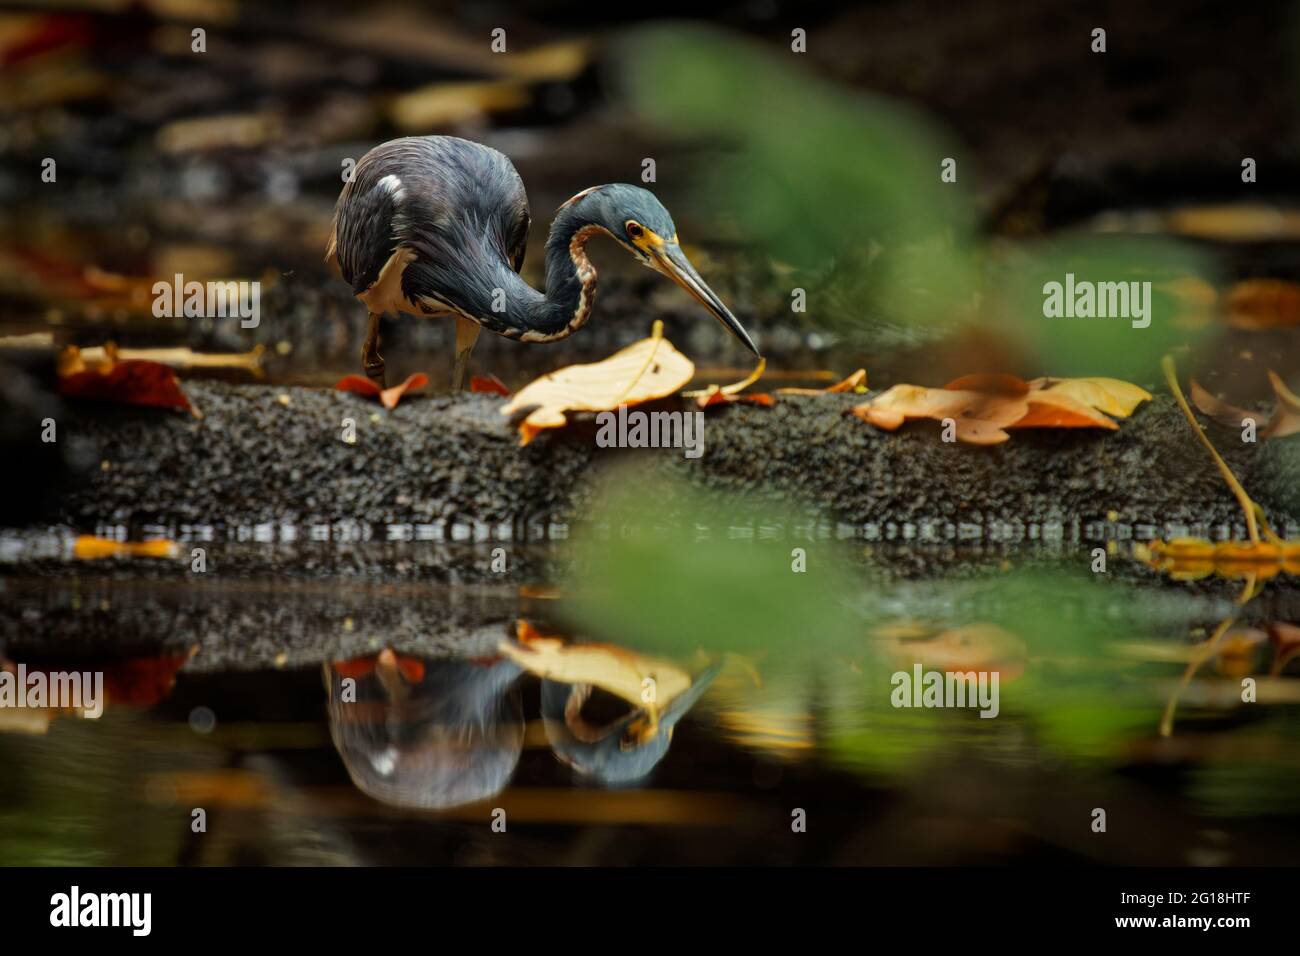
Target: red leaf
[[388, 397], [131, 382], [991, 383], [488, 385], [710, 399]]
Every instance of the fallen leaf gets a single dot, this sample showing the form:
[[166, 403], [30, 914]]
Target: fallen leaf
[[1107, 395], [990, 383], [488, 385], [984, 406], [857, 382], [1284, 421], [721, 398], [129, 382], [87, 547], [614, 669], [979, 417], [642, 372], [1218, 409], [1263, 304], [1053, 409], [388, 397], [725, 394]]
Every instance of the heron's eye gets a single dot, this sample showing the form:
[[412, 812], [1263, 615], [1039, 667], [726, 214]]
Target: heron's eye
[[634, 229]]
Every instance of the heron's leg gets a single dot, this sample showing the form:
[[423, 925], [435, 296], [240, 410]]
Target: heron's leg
[[466, 335], [371, 360]]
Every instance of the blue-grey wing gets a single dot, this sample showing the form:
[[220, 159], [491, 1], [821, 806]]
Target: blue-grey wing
[[459, 206]]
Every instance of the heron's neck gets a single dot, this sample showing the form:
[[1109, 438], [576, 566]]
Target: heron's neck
[[570, 283]]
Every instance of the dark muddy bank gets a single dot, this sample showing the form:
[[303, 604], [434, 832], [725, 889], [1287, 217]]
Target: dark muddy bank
[[449, 469]]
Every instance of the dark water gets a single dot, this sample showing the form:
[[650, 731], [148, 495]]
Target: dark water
[[240, 713]]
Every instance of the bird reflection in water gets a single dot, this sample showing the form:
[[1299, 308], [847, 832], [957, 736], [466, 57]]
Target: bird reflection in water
[[428, 735], [621, 750]]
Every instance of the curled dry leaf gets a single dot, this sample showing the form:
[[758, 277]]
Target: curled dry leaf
[[127, 381], [614, 669], [388, 397], [1218, 409], [857, 382], [87, 547], [984, 406], [724, 394], [642, 372], [1284, 421], [488, 385]]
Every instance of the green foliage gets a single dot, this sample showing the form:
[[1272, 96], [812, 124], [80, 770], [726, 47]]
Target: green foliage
[[849, 188], [661, 588]]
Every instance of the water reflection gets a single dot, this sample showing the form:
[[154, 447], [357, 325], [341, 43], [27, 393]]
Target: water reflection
[[435, 734], [624, 750], [430, 734]]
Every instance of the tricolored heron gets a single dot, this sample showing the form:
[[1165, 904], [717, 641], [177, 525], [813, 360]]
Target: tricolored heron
[[437, 225]]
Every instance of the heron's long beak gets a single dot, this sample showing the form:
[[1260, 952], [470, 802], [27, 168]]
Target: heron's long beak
[[672, 262]]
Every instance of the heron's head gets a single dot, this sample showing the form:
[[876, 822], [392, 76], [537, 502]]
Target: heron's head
[[640, 223]]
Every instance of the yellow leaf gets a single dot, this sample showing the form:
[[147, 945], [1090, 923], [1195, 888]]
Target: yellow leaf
[[1108, 395], [621, 672], [642, 372]]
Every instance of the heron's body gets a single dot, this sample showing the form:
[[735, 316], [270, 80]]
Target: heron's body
[[437, 225]]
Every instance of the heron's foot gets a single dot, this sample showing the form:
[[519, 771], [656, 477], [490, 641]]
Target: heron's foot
[[371, 360], [458, 372]]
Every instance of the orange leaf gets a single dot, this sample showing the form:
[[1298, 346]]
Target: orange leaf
[[722, 398], [991, 383], [979, 417], [982, 406], [724, 394], [388, 397], [1263, 304], [857, 382], [488, 385], [1057, 410], [357, 385]]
